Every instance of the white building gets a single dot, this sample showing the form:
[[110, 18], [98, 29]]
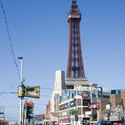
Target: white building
[[58, 87], [76, 94]]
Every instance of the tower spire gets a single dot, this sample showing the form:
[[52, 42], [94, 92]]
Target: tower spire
[[73, 1], [74, 7], [75, 67]]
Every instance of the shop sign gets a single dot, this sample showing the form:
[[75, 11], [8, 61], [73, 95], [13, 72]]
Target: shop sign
[[100, 92], [88, 113], [64, 113], [55, 119], [72, 103], [93, 106], [94, 122], [62, 107], [84, 94], [66, 106]]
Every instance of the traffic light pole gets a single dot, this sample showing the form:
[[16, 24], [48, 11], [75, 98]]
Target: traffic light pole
[[21, 111], [21, 98]]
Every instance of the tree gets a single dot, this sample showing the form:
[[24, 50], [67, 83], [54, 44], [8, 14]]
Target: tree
[[73, 112]]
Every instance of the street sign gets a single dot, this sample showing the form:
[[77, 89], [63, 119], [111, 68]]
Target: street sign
[[32, 92]]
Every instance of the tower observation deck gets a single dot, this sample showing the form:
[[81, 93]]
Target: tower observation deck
[[75, 70]]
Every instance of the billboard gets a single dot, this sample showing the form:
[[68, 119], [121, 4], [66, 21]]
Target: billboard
[[115, 92], [32, 92]]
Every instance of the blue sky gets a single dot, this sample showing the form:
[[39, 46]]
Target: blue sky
[[40, 33]]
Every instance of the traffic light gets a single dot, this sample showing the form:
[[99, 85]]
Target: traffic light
[[29, 110]]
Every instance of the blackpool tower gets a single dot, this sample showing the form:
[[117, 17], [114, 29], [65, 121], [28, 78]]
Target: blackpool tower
[[75, 69]]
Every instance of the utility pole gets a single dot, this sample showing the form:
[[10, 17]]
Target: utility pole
[[21, 98]]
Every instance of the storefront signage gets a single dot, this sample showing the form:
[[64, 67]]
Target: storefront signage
[[64, 113], [84, 94], [55, 119], [72, 103], [100, 92], [93, 106], [66, 106], [62, 107]]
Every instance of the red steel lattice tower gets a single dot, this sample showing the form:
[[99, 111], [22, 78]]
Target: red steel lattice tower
[[75, 68]]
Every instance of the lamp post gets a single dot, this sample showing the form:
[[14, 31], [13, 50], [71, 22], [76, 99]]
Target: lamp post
[[21, 98]]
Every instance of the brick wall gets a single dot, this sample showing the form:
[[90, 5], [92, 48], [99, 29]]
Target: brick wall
[[102, 110]]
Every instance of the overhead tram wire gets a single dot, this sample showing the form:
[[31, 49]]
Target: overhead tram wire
[[8, 93], [10, 43], [49, 89], [9, 38], [15, 93]]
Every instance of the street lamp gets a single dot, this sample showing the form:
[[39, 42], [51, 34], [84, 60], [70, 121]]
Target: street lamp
[[21, 98]]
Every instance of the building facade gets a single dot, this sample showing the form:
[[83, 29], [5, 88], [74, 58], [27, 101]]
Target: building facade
[[115, 110], [87, 103], [73, 98]]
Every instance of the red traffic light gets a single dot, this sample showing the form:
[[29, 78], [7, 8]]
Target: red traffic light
[[31, 104]]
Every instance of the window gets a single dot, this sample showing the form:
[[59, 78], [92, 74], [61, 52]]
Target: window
[[79, 111], [79, 102], [86, 102]]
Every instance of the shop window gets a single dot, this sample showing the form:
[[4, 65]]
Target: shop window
[[85, 109], [86, 102]]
